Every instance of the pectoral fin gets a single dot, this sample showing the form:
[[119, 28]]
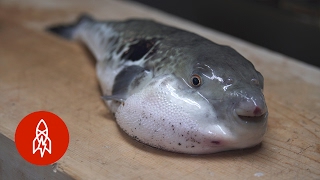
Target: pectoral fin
[[130, 76], [119, 98]]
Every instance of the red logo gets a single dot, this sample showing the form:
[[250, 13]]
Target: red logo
[[42, 138]]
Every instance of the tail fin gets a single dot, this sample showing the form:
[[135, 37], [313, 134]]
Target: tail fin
[[68, 31]]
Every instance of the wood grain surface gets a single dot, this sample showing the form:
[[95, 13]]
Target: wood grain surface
[[39, 71]]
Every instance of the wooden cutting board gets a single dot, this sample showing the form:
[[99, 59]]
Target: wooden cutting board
[[39, 71]]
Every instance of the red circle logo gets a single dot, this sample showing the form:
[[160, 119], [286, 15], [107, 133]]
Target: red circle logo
[[42, 138]]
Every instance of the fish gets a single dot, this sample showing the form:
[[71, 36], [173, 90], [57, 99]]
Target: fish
[[173, 89]]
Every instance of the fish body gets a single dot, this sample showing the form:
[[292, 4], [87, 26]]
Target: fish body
[[173, 89]]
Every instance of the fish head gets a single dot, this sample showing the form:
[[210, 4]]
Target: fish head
[[233, 91]]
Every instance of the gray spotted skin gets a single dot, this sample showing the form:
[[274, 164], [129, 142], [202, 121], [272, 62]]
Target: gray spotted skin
[[147, 73]]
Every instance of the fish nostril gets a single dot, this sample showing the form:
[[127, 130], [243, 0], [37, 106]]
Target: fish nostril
[[257, 111], [215, 142]]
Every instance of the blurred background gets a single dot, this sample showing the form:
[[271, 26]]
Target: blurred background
[[291, 27]]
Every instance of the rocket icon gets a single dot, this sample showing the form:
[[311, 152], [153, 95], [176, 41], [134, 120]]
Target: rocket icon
[[42, 141]]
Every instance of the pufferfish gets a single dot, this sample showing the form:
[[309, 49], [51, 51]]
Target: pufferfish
[[173, 89]]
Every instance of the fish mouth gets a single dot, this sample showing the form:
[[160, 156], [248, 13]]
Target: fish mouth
[[252, 119]]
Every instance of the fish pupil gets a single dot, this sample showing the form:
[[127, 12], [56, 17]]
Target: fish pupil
[[196, 80]]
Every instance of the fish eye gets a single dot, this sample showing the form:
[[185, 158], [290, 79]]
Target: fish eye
[[195, 80], [255, 81]]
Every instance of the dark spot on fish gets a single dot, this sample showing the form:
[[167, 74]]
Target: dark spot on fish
[[158, 68], [152, 83], [114, 40], [112, 50], [152, 51], [101, 33], [179, 144], [104, 40], [163, 59], [120, 48], [215, 142], [138, 50]]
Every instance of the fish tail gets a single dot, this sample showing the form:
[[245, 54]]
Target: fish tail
[[68, 31]]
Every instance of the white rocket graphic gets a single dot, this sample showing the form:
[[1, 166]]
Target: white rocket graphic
[[42, 141]]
